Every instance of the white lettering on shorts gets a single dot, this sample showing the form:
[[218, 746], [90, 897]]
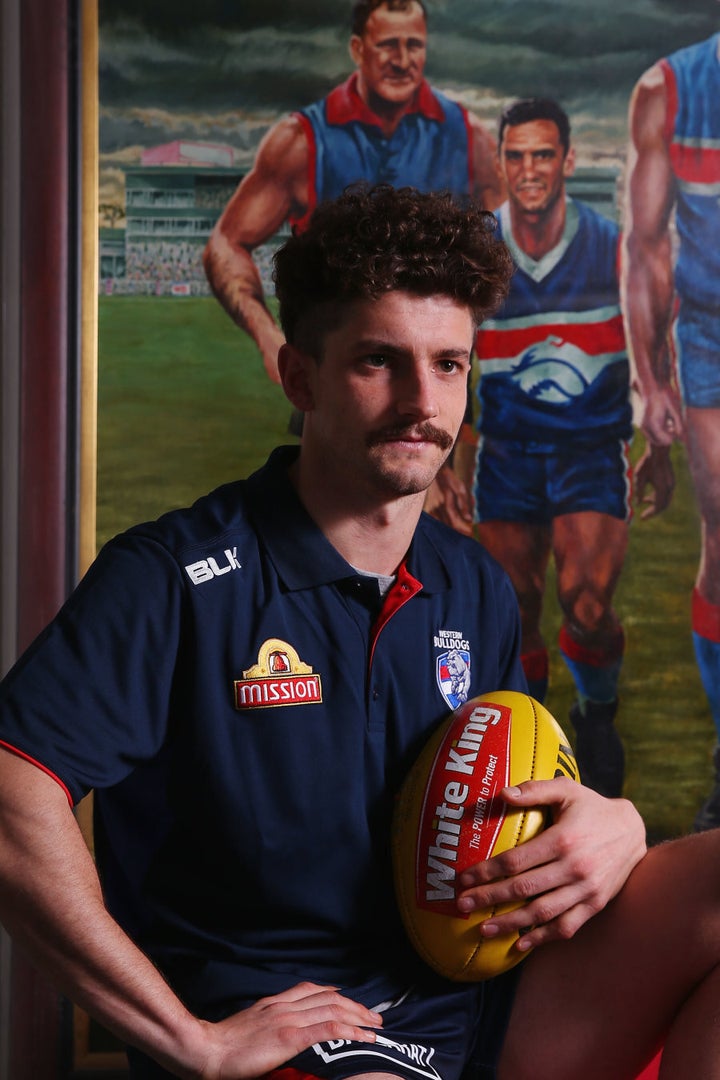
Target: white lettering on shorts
[[414, 1056]]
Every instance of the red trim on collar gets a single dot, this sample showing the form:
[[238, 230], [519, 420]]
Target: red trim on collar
[[404, 588], [344, 104]]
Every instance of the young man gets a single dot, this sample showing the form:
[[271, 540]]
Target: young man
[[245, 684], [384, 125], [555, 420], [673, 169]]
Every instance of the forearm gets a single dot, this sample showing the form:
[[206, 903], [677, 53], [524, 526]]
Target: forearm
[[647, 279], [648, 294], [51, 903], [235, 281]]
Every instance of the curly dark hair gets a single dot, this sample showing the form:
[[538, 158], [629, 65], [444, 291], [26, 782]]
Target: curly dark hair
[[363, 9], [373, 240]]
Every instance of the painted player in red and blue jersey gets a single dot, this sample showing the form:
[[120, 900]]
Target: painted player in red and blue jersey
[[674, 167], [555, 421], [384, 125]]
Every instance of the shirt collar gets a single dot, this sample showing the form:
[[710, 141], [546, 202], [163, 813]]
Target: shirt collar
[[344, 104], [302, 556], [538, 269]]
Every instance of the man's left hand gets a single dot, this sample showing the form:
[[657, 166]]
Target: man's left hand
[[567, 873], [654, 480]]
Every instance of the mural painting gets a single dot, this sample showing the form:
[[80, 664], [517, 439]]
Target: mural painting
[[213, 145]]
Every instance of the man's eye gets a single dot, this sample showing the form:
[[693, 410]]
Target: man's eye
[[376, 360]]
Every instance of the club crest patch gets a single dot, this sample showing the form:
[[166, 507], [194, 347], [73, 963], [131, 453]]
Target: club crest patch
[[453, 676], [279, 678]]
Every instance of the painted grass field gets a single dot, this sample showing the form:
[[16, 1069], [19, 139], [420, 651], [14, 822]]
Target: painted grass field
[[184, 405]]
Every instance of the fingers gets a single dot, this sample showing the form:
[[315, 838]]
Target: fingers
[[555, 882], [553, 792], [654, 471], [307, 1001], [275, 1029], [555, 916]]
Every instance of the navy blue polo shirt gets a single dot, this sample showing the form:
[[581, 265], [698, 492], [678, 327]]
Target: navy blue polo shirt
[[245, 706]]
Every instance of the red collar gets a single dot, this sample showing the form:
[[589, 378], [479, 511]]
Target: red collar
[[344, 104]]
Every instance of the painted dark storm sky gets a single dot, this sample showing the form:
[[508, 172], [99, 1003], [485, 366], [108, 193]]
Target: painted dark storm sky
[[224, 70]]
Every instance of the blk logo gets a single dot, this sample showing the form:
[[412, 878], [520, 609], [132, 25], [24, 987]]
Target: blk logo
[[207, 569]]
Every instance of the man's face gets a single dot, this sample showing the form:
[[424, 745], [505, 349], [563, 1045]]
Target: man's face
[[387, 398], [535, 165], [390, 55]]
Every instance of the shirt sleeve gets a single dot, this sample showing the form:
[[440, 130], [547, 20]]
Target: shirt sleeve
[[91, 697]]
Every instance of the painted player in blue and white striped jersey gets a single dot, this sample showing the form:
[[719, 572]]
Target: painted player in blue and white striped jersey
[[552, 474], [674, 168]]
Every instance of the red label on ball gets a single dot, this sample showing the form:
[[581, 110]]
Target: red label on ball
[[462, 813]]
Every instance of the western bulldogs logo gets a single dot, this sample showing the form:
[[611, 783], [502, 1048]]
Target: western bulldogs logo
[[453, 676], [552, 372]]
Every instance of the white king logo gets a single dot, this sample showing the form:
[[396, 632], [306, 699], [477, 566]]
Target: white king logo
[[278, 678]]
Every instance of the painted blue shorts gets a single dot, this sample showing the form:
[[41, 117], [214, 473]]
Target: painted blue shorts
[[516, 482], [698, 348]]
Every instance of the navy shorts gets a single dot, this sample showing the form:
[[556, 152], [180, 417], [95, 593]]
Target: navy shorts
[[452, 1033], [514, 482], [444, 1031]]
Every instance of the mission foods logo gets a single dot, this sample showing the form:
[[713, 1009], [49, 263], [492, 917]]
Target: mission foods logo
[[278, 678], [469, 771]]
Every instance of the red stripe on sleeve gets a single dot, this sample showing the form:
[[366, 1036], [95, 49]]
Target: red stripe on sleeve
[[39, 765]]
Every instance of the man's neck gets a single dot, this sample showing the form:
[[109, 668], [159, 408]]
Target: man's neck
[[367, 533], [537, 234], [388, 113]]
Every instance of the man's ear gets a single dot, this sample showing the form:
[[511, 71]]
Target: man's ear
[[295, 369], [355, 48], [569, 163]]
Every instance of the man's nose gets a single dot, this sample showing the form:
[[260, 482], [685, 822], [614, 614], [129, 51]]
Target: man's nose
[[401, 57], [418, 394]]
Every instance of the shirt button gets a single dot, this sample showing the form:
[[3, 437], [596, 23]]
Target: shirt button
[[375, 694]]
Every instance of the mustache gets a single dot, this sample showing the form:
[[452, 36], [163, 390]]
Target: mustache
[[426, 431]]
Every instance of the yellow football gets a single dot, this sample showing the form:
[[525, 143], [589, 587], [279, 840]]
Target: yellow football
[[449, 816]]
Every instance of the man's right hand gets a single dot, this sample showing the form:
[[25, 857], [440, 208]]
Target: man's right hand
[[275, 1029], [662, 417]]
